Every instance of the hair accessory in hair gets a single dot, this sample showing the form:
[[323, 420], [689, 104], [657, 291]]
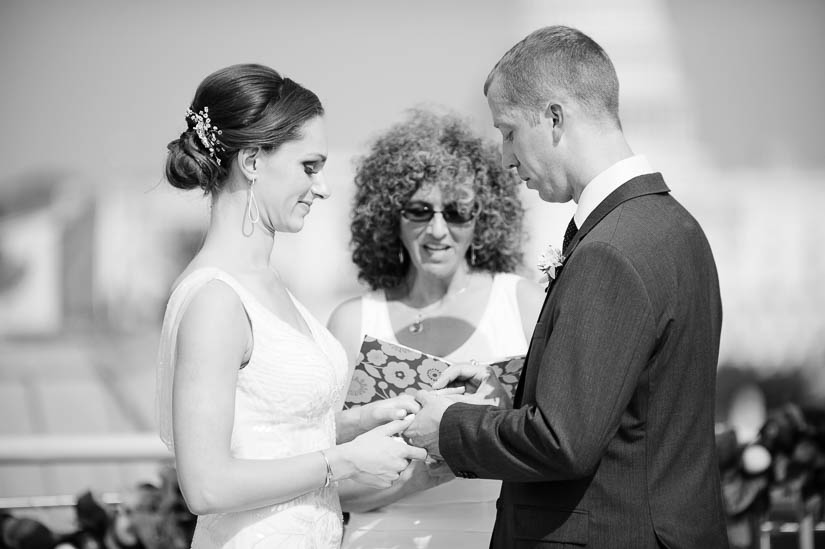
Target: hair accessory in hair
[[207, 132]]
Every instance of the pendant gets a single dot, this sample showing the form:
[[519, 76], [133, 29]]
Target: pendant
[[417, 327]]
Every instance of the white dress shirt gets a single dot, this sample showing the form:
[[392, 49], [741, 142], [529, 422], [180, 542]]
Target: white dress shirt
[[608, 181]]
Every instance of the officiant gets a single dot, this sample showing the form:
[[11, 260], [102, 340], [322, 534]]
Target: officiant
[[436, 236]]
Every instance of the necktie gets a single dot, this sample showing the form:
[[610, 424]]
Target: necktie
[[569, 233]]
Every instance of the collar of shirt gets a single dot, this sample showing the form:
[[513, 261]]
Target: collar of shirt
[[608, 181]]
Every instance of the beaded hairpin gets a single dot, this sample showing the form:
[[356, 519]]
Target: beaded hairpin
[[207, 132]]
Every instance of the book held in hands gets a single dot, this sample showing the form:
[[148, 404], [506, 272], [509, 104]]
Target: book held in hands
[[385, 370]]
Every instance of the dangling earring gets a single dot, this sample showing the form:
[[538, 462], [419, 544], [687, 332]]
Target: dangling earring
[[251, 204], [401, 255], [252, 214], [472, 255]]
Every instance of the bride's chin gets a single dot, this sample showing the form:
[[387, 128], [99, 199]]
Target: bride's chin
[[294, 226]]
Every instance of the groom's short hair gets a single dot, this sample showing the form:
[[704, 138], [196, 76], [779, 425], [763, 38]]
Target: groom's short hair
[[558, 60]]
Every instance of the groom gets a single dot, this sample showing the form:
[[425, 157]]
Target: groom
[[610, 441]]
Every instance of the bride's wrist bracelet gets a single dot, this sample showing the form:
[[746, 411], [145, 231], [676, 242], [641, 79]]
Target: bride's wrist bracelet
[[328, 480]]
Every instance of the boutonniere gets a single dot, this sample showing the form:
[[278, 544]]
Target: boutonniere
[[549, 262]]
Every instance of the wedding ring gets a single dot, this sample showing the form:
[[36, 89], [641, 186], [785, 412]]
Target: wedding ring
[[474, 362]]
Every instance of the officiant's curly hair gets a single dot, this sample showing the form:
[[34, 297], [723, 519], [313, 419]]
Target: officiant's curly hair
[[432, 147]]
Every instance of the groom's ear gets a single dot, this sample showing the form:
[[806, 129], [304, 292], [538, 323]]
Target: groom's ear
[[554, 116]]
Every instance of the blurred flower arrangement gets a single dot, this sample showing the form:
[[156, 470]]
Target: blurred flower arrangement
[[777, 474], [147, 517]]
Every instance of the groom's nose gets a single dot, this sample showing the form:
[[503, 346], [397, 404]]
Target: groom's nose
[[508, 158]]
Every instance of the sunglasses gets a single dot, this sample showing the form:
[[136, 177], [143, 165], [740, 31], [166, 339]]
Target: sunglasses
[[455, 214]]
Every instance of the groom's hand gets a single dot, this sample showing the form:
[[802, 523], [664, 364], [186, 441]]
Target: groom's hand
[[423, 432], [480, 384]]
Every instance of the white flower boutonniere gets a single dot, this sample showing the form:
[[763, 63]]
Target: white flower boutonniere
[[549, 261]]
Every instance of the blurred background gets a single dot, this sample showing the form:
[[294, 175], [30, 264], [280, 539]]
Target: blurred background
[[725, 98]]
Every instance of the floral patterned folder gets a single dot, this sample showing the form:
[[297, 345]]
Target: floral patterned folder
[[385, 370]]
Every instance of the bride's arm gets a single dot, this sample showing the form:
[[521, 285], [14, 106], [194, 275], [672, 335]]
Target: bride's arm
[[347, 424], [214, 338]]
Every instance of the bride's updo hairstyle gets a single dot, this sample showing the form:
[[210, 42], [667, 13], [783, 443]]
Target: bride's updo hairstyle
[[241, 106]]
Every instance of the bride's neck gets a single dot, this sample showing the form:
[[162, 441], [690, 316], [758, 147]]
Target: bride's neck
[[233, 237]]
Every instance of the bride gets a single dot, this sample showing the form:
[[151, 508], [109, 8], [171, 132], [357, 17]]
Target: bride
[[248, 380]]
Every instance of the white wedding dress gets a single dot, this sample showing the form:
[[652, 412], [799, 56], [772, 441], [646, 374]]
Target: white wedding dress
[[285, 402]]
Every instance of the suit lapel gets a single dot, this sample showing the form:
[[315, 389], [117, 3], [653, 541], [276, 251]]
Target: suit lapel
[[638, 186], [641, 185]]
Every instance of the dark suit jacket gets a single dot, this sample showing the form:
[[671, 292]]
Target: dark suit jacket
[[610, 443]]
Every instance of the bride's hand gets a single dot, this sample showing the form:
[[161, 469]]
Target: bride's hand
[[380, 412], [377, 457]]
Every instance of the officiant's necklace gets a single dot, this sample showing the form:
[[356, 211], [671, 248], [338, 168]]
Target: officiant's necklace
[[424, 313]]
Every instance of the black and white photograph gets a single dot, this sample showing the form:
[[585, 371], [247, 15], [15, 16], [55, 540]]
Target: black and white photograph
[[434, 275]]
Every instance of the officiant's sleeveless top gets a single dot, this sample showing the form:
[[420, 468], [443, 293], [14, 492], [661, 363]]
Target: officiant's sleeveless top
[[285, 401], [459, 513]]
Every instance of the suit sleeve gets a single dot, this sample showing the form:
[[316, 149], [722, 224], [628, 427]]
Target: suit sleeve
[[601, 340]]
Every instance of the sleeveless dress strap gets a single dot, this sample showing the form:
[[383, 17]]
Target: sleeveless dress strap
[[375, 316], [504, 295], [505, 325]]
